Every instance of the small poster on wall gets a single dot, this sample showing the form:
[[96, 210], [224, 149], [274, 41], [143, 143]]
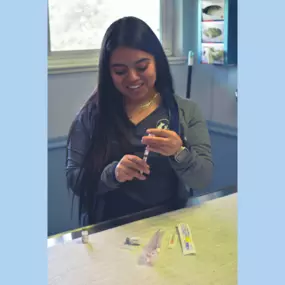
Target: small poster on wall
[[213, 32], [217, 32], [213, 53], [213, 10]]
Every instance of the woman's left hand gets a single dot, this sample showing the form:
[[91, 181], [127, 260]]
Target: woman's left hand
[[161, 141]]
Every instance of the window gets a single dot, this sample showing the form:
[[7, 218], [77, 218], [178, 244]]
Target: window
[[81, 24], [76, 28]]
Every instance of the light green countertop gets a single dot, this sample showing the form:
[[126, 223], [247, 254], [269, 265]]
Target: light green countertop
[[107, 262]]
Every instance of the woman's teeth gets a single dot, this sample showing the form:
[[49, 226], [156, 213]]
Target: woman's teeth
[[135, 86]]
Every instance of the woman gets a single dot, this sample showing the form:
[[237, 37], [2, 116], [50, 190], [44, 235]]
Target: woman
[[133, 108]]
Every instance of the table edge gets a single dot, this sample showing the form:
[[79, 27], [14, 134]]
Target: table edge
[[193, 201]]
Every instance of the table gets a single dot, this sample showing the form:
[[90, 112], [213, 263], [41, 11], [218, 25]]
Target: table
[[106, 261]]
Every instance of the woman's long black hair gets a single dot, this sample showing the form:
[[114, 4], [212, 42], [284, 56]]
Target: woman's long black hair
[[108, 116]]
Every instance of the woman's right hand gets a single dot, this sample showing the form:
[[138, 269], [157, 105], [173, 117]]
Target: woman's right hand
[[130, 167]]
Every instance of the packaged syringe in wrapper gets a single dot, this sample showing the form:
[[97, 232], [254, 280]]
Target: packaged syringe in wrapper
[[151, 250], [185, 236]]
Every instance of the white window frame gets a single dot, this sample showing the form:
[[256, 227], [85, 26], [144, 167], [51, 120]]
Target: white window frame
[[87, 60]]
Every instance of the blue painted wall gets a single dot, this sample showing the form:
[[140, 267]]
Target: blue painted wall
[[224, 147]]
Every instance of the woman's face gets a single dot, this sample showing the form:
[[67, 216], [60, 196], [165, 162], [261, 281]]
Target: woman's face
[[133, 73]]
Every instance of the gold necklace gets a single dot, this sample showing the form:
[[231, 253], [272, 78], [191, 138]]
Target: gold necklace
[[149, 103]]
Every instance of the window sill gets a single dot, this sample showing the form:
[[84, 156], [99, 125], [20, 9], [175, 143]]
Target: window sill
[[65, 65]]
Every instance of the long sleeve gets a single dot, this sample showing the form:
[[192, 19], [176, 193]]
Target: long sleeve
[[108, 176], [196, 170], [77, 147]]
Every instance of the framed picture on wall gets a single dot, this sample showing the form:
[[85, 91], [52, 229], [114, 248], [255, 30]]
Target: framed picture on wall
[[217, 32], [213, 53], [213, 10], [212, 32]]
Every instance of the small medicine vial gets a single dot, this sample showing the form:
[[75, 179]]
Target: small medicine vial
[[132, 241], [84, 235]]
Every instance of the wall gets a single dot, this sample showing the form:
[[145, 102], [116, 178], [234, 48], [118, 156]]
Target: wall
[[212, 87]]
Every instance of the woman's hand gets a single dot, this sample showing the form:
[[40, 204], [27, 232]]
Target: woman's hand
[[161, 141], [130, 167]]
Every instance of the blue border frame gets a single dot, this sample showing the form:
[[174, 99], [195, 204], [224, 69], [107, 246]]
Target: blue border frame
[[23, 142]]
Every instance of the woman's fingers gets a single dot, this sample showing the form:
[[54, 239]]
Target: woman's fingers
[[131, 167], [131, 173], [136, 163]]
